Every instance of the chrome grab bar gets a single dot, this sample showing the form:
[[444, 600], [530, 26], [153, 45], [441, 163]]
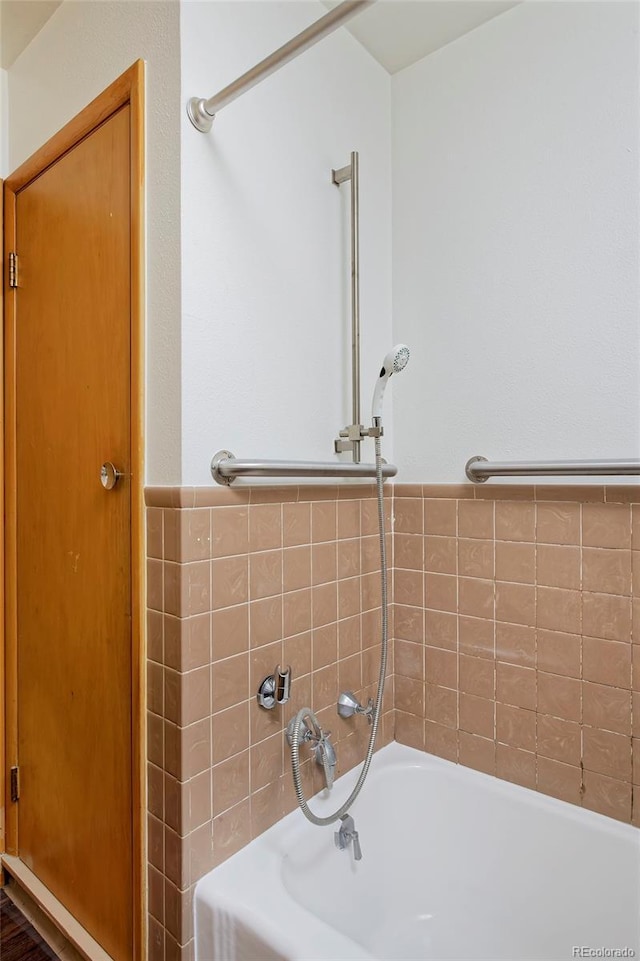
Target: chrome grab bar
[[225, 467], [479, 469]]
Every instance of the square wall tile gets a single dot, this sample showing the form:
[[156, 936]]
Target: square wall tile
[[514, 625]]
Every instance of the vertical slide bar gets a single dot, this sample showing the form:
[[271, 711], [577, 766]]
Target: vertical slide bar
[[352, 172], [355, 294]]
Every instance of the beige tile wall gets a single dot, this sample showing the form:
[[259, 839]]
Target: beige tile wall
[[517, 635], [516, 624], [238, 583]]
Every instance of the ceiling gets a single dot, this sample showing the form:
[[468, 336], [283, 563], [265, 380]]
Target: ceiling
[[20, 21], [400, 32], [396, 32]]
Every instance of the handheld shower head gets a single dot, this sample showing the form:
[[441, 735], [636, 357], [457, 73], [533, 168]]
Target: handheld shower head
[[395, 361]]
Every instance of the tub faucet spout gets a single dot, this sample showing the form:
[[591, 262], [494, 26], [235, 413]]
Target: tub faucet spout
[[348, 835]]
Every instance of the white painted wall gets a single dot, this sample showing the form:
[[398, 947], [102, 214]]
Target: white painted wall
[[515, 229], [80, 51], [266, 325], [515, 241], [4, 124]]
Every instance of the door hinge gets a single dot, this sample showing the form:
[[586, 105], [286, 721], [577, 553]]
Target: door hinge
[[15, 784], [13, 269]]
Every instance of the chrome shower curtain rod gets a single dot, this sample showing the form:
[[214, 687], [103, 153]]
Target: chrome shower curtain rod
[[202, 112]]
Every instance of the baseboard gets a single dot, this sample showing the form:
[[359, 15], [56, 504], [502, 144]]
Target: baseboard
[[73, 931]]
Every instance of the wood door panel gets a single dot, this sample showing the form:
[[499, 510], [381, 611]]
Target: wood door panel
[[73, 385]]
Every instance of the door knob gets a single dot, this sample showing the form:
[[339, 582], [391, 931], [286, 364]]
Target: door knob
[[109, 475]]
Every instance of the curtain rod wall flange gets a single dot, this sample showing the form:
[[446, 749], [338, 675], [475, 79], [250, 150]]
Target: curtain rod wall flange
[[197, 114], [201, 112]]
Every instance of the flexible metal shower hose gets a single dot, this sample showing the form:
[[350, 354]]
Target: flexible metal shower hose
[[307, 712]]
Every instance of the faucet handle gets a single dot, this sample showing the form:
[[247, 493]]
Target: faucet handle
[[348, 705], [310, 732]]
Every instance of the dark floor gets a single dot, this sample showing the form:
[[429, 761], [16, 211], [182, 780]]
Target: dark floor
[[18, 940]]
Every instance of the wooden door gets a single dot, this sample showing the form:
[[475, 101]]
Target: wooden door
[[75, 659]]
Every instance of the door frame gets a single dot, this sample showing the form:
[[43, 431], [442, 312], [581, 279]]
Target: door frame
[[127, 89]]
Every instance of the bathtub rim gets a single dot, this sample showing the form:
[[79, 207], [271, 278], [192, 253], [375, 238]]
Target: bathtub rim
[[309, 927]]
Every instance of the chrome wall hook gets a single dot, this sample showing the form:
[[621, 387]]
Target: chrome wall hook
[[275, 688]]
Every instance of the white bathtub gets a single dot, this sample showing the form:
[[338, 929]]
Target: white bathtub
[[455, 865]]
